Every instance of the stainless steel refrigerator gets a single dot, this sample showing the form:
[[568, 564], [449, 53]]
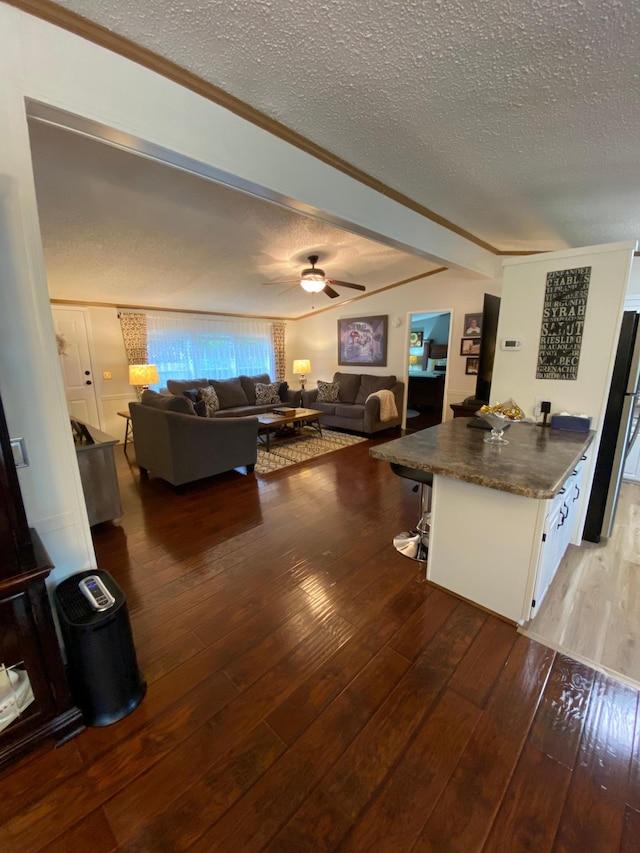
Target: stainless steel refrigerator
[[618, 432]]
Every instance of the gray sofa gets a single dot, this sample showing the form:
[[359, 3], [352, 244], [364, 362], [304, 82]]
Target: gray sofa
[[171, 442], [354, 411], [237, 395]]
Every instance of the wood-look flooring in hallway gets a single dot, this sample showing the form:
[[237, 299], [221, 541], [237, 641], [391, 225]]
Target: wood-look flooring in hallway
[[592, 609], [309, 691]]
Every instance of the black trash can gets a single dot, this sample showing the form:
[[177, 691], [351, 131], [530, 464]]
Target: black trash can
[[103, 668]]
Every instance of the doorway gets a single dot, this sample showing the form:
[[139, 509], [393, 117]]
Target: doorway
[[427, 369], [75, 362]]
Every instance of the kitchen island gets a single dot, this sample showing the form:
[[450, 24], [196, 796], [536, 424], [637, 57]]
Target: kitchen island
[[502, 516]]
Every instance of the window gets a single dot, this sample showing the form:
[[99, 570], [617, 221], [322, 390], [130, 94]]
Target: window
[[186, 346]]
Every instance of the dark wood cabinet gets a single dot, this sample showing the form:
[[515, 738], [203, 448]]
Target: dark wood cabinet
[[35, 701], [426, 391]]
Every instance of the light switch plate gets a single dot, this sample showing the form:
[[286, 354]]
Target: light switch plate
[[19, 451]]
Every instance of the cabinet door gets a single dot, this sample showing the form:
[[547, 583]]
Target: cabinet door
[[550, 554], [25, 693], [575, 503]]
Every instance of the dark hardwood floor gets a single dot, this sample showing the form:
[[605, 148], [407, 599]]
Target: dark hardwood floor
[[308, 691]]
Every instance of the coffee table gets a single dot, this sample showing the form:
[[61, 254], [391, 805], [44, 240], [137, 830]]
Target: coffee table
[[270, 422]]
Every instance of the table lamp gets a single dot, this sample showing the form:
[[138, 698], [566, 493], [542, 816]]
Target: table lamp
[[143, 375], [302, 366]]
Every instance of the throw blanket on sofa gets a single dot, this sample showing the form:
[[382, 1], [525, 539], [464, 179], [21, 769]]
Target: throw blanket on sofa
[[388, 408]]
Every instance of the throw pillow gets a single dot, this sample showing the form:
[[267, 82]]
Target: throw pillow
[[249, 385], [328, 392], [370, 384], [179, 386], [211, 402], [349, 385], [193, 394], [230, 392], [266, 394]]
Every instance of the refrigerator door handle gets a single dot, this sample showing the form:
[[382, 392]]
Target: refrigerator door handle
[[634, 367], [636, 430], [617, 468]]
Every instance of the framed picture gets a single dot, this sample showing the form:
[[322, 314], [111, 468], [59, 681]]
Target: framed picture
[[469, 346], [362, 341], [415, 339], [472, 325], [471, 368]]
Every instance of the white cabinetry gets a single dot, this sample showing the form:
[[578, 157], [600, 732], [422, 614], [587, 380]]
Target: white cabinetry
[[560, 528], [498, 549]]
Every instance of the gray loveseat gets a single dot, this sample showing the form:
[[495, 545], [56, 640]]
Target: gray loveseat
[[171, 442], [237, 395], [355, 410]]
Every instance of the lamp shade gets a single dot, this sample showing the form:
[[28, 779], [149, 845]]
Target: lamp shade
[[302, 365], [143, 374]]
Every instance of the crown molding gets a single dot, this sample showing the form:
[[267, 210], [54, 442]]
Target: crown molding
[[81, 303]]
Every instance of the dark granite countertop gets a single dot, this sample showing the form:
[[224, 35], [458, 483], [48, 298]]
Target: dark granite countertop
[[535, 463]]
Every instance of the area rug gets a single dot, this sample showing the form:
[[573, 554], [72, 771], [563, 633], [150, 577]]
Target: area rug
[[307, 446]]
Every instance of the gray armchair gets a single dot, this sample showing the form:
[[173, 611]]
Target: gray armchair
[[181, 448]]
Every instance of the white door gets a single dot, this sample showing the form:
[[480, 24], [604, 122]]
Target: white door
[[71, 325]]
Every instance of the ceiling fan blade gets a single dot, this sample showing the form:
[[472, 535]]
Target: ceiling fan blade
[[346, 284], [331, 293], [282, 281]]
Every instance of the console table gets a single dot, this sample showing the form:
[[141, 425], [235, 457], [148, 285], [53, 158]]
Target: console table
[[99, 478]]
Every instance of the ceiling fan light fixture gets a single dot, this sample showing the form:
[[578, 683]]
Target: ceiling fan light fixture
[[312, 284]]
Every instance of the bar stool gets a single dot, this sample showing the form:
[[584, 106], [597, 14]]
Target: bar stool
[[415, 543]]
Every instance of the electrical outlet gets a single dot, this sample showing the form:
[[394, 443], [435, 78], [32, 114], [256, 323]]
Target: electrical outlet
[[537, 411]]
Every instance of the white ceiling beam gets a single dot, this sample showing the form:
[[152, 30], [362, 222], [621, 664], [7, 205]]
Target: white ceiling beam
[[71, 81]]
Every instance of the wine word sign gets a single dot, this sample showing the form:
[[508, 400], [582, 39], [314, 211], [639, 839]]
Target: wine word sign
[[565, 307]]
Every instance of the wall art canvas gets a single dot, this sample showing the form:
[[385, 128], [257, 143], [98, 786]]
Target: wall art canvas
[[563, 313], [362, 341]]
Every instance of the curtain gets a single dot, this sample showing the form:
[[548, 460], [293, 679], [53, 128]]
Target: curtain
[[277, 332], [134, 333], [192, 346]]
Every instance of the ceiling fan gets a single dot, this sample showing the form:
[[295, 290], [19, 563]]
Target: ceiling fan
[[314, 280]]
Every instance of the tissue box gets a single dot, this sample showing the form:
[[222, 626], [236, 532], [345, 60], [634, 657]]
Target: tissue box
[[577, 423]]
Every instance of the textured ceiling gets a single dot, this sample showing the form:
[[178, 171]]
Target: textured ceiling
[[518, 120], [121, 229]]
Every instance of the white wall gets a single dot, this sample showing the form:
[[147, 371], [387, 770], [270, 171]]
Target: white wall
[[514, 373], [316, 337]]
